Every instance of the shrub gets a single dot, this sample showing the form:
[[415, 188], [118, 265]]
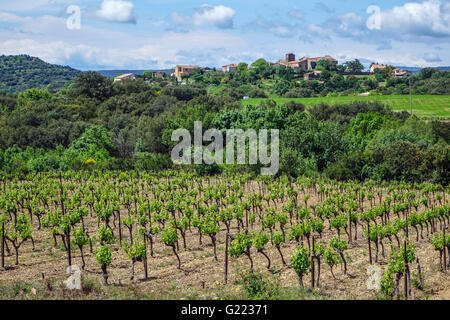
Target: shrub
[[257, 93], [299, 93], [258, 287]]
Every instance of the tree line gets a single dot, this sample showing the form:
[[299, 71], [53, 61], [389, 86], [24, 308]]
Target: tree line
[[119, 126]]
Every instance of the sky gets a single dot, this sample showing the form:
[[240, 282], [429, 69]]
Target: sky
[[158, 34]]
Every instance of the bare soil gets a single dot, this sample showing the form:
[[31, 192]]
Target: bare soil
[[201, 277]]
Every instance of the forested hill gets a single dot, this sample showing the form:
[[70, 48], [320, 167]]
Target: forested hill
[[18, 73], [417, 69]]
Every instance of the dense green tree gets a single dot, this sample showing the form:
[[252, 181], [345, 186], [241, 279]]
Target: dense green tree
[[32, 95], [440, 130], [95, 143], [400, 160], [7, 102], [285, 73], [354, 66], [260, 64], [147, 75], [363, 128], [95, 123], [184, 93], [92, 85], [436, 161], [299, 93], [242, 67], [356, 165], [281, 87], [326, 65]]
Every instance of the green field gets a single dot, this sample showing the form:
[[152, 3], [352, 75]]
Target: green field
[[424, 106]]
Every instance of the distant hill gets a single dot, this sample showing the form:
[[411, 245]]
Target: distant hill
[[18, 73], [115, 73], [417, 69]]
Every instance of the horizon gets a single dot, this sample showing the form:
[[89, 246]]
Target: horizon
[[172, 68], [138, 34]]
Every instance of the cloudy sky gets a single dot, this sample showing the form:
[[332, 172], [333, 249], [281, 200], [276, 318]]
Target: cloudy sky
[[157, 34]]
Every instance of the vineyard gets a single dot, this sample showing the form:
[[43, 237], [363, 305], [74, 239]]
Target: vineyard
[[172, 234]]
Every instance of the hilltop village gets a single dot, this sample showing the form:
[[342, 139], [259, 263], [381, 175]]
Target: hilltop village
[[304, 67]]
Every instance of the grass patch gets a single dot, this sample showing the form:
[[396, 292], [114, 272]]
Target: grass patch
[[424, 106], [258, 286], [16, 290]]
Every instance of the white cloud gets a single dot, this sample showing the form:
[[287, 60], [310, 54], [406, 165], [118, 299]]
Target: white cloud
[[281, 31], [413, 21], [323, 7], [431, 57], [53, 29], [430, 18], [178, 19], [95, 48], [218, 16], [296, 13], [384, 45], [275, 27], [348, 25], [12, 18], [318, 31], [101, 48], [117, 11], [28, 5]]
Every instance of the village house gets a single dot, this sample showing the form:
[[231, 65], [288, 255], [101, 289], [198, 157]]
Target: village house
[[375, 66], [304, 63], [126, 76], [230, 67], [312, 75], [181, 70], [400, 73], [158, 74], [290, 58], [312, 62]]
